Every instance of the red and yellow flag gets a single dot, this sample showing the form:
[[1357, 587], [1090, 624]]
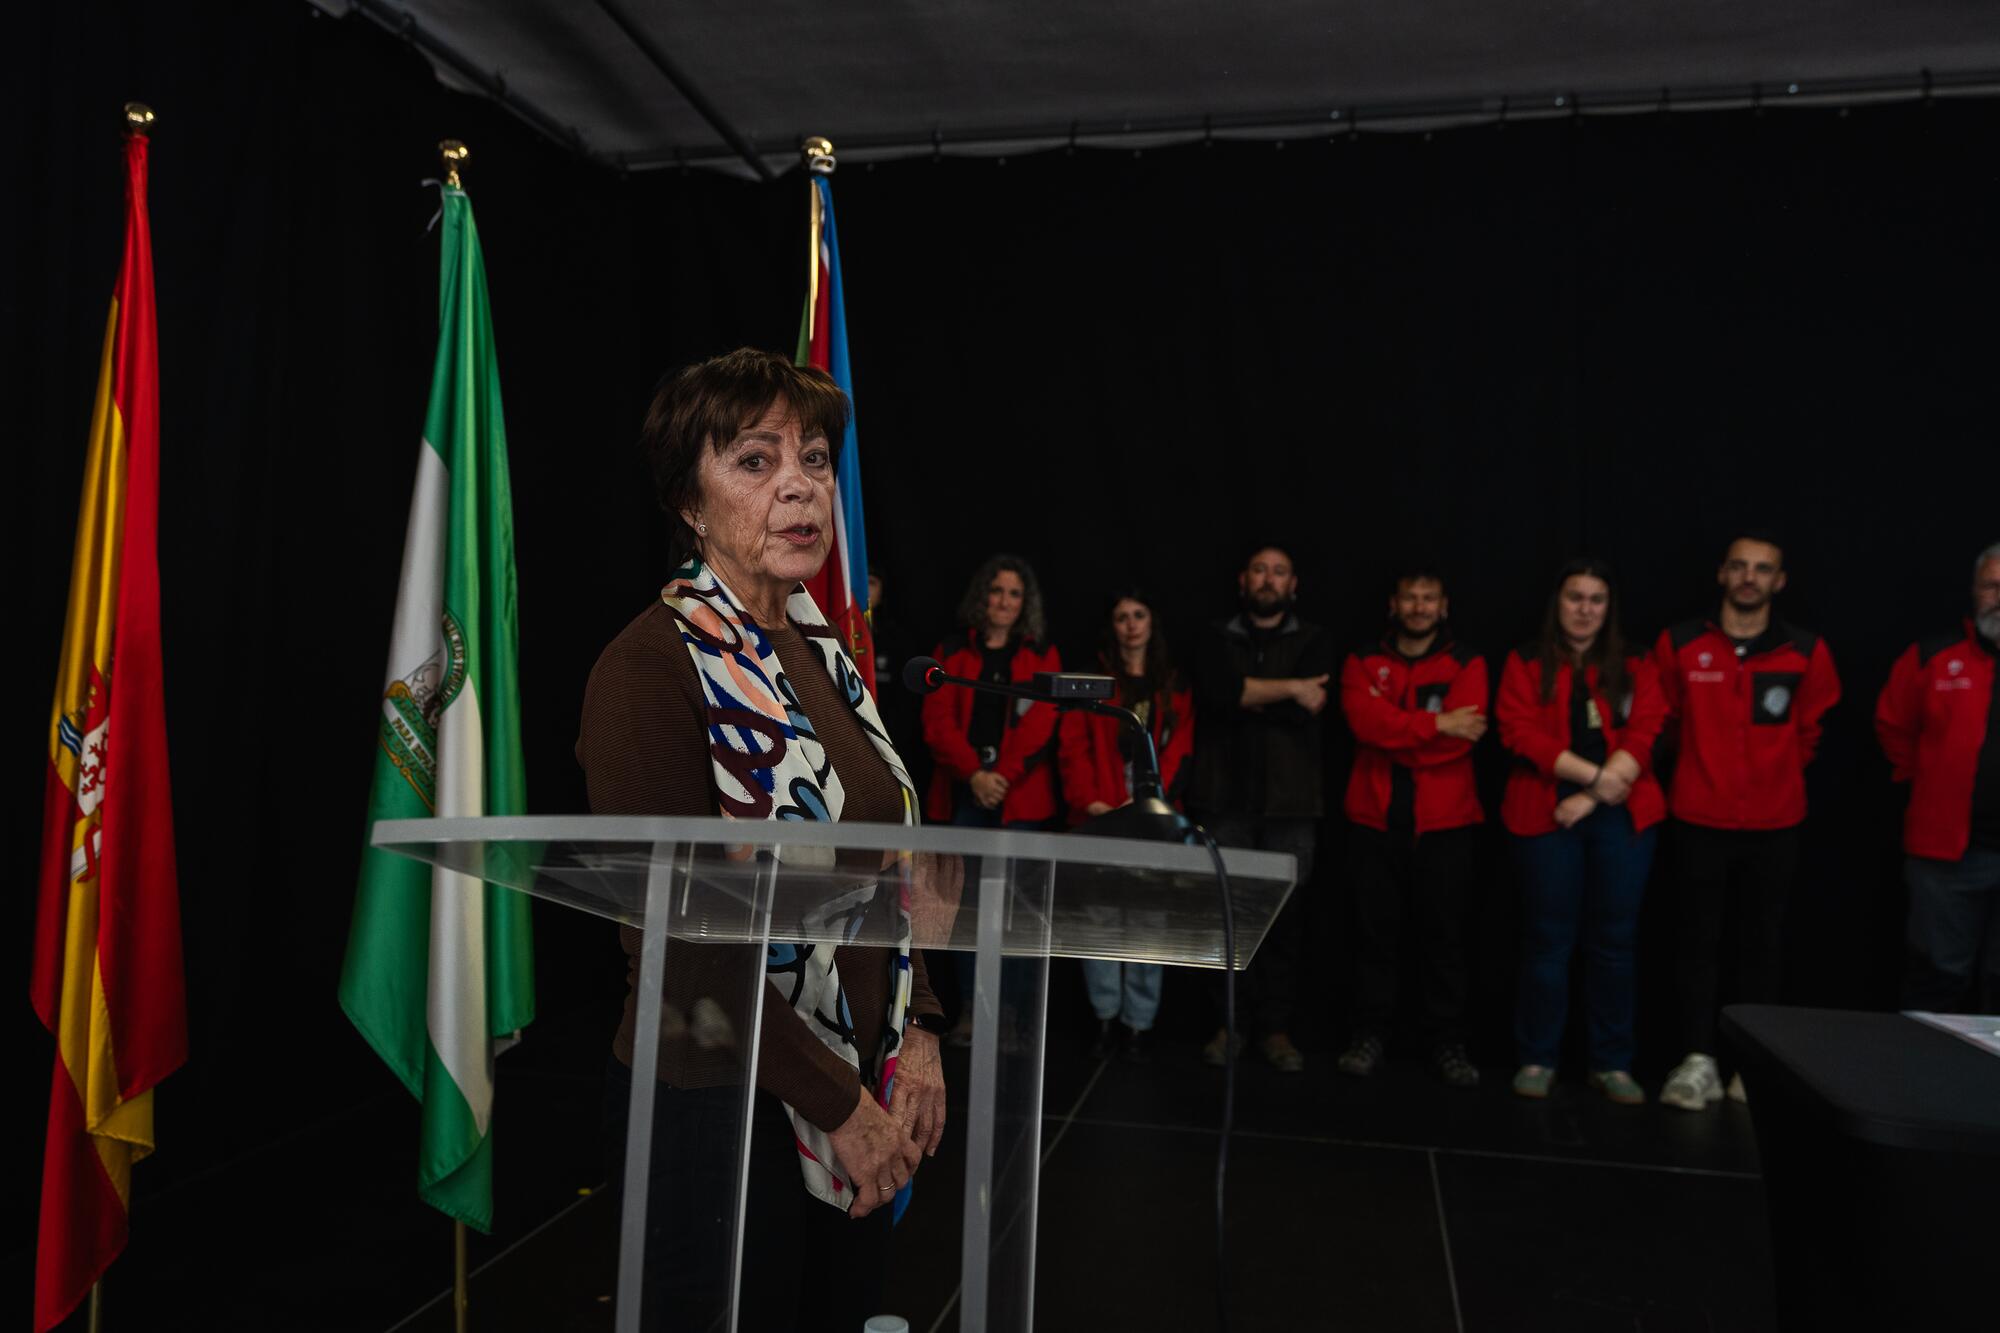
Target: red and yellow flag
[[107, 971]]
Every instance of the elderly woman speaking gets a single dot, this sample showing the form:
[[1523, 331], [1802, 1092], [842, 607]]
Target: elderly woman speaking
[[729, 695]]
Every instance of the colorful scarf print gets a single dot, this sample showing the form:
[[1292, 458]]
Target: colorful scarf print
[[769, 764]]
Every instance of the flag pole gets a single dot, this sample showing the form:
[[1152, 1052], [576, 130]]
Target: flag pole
[[461, 1297], [94, 1320], [453, 152]]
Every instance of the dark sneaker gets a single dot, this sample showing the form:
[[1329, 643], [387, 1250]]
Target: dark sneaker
[[1138, 1045], [1455, 1067], [1108, 1032], [1363, 1057]]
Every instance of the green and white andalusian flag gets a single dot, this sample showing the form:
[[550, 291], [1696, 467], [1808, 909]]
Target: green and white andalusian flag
[[440, 964]]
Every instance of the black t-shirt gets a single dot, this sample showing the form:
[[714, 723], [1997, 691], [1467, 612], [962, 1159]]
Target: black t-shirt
[[1986, 781], [1586, 727], [989, 711]]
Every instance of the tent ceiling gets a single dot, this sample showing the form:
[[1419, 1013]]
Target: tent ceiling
[[998, 75]]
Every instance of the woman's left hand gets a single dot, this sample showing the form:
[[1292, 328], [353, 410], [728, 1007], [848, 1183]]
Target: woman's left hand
[[917, 1101]]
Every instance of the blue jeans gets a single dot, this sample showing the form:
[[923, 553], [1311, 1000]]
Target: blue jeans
[[1954, 917], [1129, 992], [1583, 882]]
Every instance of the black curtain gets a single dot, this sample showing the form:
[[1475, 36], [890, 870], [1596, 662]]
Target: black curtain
[[1491, 348]]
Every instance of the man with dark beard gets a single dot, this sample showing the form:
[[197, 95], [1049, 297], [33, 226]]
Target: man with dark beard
[[1260, 681], [1746, 694], [1939, 722], [1416, 702]]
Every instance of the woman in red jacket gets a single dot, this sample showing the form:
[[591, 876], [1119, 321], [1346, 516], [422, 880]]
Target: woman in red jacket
[[994, 756], [1580, 715], [1097, 757]]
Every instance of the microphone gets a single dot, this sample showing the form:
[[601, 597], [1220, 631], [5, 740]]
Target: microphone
[[923, 675], [1148, 816]]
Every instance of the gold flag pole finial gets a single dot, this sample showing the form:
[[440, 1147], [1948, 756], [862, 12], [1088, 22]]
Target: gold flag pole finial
[[818, 154], [138, 119], [453, 152]]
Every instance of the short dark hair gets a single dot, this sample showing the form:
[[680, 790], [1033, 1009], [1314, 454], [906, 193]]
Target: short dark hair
[[1417, 572], [1251, 552], [710, 403], [1765, 536]]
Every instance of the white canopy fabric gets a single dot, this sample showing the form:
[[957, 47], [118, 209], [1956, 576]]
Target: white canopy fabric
[[643, 83]]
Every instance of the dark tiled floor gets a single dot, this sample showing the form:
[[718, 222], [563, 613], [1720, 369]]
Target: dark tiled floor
[[1391, 1203]]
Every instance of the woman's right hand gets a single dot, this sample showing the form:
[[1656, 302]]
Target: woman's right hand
[[877, 1155], [988, 788]]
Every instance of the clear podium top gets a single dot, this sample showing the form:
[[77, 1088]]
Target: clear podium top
[[1063, 895]]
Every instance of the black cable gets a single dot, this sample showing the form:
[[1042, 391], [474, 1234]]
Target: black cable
[[1228, 1076]]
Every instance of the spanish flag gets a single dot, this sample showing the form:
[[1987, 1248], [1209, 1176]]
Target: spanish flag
[[107, 969]]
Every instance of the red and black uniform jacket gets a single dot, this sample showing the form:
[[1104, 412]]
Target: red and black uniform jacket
[[1392, 704], [1745, 728], [1935, 720], [1027, 746], [1093, 753], [1537, 733]]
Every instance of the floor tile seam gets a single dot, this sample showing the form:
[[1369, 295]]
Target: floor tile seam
[[1323, 1140], [1444, 1238], [544, 1225], [1048, 1152]]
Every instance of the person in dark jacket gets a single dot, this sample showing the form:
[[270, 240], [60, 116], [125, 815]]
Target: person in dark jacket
[[994, 758], [1416, 701], [1939, 722], [1261, 685], [1580, 716], [1098, 755], [1747, 695]]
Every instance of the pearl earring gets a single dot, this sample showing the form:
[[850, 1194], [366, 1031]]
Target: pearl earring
[[701, 528]]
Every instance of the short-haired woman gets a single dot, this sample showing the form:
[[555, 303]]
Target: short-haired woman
[[1098, 754], [1580, 715], [729, 695]]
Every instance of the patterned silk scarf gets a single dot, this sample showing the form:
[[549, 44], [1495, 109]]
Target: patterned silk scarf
[[769, 764]]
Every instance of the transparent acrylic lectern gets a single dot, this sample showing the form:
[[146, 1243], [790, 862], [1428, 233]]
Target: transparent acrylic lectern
[[724, 903]]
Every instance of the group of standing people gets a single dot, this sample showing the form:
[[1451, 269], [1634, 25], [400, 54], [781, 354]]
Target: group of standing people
[[1695, 750]]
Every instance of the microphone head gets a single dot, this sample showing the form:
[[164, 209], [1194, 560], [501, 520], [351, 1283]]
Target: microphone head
[[922, 675]]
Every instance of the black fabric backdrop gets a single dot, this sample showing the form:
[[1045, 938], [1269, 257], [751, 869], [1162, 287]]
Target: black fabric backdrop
[[1496, 348]]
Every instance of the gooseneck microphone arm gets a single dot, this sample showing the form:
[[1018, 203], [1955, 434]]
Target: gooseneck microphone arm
[[925, 675]]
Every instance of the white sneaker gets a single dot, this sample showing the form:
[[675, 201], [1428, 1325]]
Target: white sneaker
[[1736, 1093], [1694, 1085]]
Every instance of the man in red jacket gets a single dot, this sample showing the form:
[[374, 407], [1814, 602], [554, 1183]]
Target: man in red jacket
[[1746, 693], [1939, 722], [1416, 701]]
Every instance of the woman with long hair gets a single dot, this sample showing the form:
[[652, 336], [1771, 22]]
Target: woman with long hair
[[993, 757], [1098, 754], [1580, 714]]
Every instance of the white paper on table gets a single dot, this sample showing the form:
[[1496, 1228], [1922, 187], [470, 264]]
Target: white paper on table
[[1982, 1030]]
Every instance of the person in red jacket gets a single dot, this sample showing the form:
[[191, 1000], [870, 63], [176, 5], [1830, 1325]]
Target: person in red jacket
[[993, 757], [1097, 756], [1580, 717], [1939, 722], [1416, 702], [1746, 694]]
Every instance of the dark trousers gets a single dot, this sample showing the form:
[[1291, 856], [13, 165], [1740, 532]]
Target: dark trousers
[[1017, 975], [1420, 883], [1954, 933], [805, 1263], [1732, 886], [1583, 883], [1267, 991]]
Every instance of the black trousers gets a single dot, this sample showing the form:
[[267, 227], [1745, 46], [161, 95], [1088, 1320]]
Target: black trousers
[[1410, 890], [806, 1264], [1732, 886], [1267, 992]]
